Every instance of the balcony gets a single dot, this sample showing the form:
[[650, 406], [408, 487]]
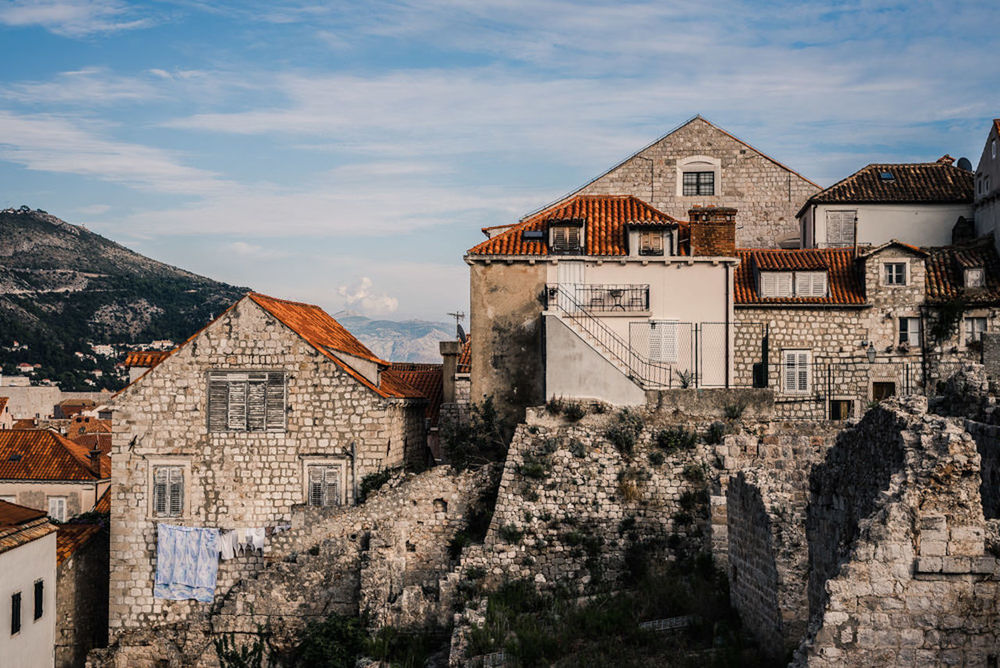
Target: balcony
[[605, 298]]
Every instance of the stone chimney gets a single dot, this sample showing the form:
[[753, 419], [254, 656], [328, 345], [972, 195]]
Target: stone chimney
[[450, 352], [946, 159], [713, 231], [95, 460]]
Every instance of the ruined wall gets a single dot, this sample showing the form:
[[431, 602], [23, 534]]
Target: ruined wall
[[507, 348], [82, 602], [987, 438], [235, 479], [766, 195]]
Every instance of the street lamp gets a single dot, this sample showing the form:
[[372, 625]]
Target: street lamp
[[870, 353]]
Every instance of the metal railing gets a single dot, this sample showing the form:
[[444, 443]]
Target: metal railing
[[608, 297]]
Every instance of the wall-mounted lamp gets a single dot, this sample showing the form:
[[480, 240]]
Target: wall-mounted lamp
[[870, 353]]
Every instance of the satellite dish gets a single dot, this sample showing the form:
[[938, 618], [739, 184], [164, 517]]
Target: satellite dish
[[964, 163], [461, 334]]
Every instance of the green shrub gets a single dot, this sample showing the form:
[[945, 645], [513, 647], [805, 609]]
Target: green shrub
[[694, 473], [404, 649], [734, 411], [656, 458], [510, 534], [577, 448], [716, 432], [600, 408], [574, 412], [536, 468], [676, 438], [373, 482], [335, 641], [685, 378], [480, 440], [624, 431], [246, 655], [555, 405]]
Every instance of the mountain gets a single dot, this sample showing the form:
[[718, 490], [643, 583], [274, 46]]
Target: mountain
[[63, 287], [399, 341]]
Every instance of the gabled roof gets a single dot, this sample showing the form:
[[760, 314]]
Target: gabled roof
[[946, 273], [20, 525], [40, 454], [844, 284], [104, 503], [72, 537], [427, 379], [924, 182], [93, 441], [465, 358], [145, 358], [605, 219], [892, 243]]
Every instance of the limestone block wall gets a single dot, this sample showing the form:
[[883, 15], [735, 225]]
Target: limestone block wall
[[766, 194], [82, 602], [235, 479], [987, 438]]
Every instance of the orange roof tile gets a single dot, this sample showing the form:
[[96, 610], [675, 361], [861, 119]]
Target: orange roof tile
[[605, 218], [12, 515], [465, 358], [20, 525], [145, 358], [93, 441], [844, 284], [85, 424], [427, 379], [945, 278], [3, 403], [40, 454], [104, 503], [72, 537], [25, 423]]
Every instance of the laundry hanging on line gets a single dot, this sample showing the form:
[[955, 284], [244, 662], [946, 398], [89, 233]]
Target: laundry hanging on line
[[187, 563]]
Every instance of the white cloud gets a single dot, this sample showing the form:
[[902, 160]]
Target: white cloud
[[70, 18], [360, 296], [94, 209], [93, 86], [254, 251]]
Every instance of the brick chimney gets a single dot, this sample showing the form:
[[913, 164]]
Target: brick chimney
[[946, 159], [713, 231]]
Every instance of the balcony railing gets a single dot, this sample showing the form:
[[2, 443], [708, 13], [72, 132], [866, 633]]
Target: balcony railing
[[596, 298]]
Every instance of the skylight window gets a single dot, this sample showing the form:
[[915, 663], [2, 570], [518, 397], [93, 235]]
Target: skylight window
[[886, 176]]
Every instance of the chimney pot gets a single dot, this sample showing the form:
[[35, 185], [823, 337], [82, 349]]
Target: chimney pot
[[713, 231]]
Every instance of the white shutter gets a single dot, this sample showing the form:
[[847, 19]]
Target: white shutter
[[840, 228], [795, 376], [768, 284], [803, 364], [663, 341], [783, 284], [810, 284]]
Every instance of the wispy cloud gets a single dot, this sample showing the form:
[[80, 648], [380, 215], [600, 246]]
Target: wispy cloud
[[93, 86], [71, 18], [254, 251], [360, 296]]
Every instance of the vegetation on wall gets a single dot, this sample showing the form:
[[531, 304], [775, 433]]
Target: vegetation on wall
[[480, 440]]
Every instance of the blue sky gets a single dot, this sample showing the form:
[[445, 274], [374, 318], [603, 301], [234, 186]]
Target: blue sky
[[348, 153]]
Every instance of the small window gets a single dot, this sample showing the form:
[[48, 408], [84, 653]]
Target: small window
[[886, 176], [324, 485], [993, 148], [566, 239], [39, 599], [699, 183], [168, 491], [974, 328], [810, 284], [246, 401], [895, 273], [840, 409], [776, 283], [974, 278], [663, 341], [15, 613], [57, 508], [840, 228], [909, 332], [651, 243], [796, 374]]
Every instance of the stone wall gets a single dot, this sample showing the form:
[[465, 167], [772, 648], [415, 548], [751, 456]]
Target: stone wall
[[987, 438], [82, 602], [237, 479], [766, 194]]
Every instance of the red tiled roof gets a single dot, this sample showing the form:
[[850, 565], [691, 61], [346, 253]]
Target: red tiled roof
[[145, 358], [40, 454], [927, 182], [20, 525], [427, 379], [72, 537], [104, 503], [93, 441], [844, 284], [465, 358], [604, 217], [12, 515], [25, 423], [85, 424], [946, 273], [3, 403]]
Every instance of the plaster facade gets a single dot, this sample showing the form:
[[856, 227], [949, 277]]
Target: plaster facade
[[20, 568], [923, 225], [987, 188]]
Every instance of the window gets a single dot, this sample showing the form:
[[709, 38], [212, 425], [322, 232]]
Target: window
[[168, 491], [840, 409], [324, 485], [810, 284], [566, 239], [57, 508], [909, 332], [15, 613], [974, 328], [663, 341], [9, 499], [699, 183], [776, 284], [651, 243], [895, 273], [246, 401], [974, 278], [840, 228], [796, 376], [39, 599]]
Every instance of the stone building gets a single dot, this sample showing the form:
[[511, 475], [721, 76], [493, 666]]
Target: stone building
[[987, 187], [699, 163], [81, 592], [273, 404], [601, 297], [919, 203]]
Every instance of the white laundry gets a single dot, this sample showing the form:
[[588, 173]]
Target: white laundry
[[227, 546], [255, 537]]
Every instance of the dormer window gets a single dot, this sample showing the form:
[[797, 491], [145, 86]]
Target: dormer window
[[651, 242], [776, 284], [975, 277], [810, 284], [566, 238], [792, 284]]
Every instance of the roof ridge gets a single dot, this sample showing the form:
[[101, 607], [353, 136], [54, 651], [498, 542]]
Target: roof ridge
[[253, 293]]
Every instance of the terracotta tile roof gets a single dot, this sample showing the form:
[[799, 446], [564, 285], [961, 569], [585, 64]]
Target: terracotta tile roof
[[844, 283], [946, 273], [872, 250], [465, 358], [3, 403], [427, 379], [25, 423], [145, 358], [20, 525], [927, 182], [104, 503], [93, 441], [72, 537], [604, 217], [40, 454], [85, 424]]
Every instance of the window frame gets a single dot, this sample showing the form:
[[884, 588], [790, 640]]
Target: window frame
[[702, 183], [566, 246], [813, 277], [273, 413], [797, 370], [887, 274], [63, 501], [975, 337], [16, 611], [830, 214], [647, 248], [340, 464], [168, 462], [908, 320], [39, 596], [975, 271]]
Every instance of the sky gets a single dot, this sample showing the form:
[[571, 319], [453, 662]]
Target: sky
[[348, 153]]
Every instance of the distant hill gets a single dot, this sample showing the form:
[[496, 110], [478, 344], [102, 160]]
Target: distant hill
[[62, 286], [399, 341]]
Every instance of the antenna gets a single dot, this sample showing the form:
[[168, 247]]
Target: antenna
[[459, 316]]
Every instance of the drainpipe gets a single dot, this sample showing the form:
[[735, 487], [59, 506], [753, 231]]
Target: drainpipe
[[354, 470], [728, 310]]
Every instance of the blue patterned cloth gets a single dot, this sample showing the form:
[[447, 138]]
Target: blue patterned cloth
[[187, 563]]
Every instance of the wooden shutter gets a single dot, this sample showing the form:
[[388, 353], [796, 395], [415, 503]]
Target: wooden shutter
[[810, 284], [161, 477], [316, 487], [332, 486], [803, 369], [236, 415], [796, 371], [559, 237], [768, 284], [256, 402], [276, 401], [218, 402], [176, 504], [663, 341]]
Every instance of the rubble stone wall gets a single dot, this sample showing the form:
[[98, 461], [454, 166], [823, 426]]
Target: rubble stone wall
[[987, 438], [82, 602]]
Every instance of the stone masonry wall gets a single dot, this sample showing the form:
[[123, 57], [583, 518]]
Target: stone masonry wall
[[766, 195], [987, 438], [82, 602], [235, 479]]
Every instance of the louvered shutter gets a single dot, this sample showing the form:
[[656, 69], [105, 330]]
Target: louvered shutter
[[218, 402], [810, 284], [663, 341], [573, 237], [236, 419], [176, 491], [768, 284], [559, 237], [803, 372], [332, 487], [840, 228], [316, 486], [276, 393], [257, 401], [796, 371], [160, 483], [784, 284]]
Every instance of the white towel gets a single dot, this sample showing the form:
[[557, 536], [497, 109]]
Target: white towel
[[227, 547], [256, 537]]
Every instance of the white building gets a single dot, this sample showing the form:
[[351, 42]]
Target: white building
[[27, 587]]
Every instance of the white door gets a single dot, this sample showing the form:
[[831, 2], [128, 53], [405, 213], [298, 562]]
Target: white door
[[570, 276]]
